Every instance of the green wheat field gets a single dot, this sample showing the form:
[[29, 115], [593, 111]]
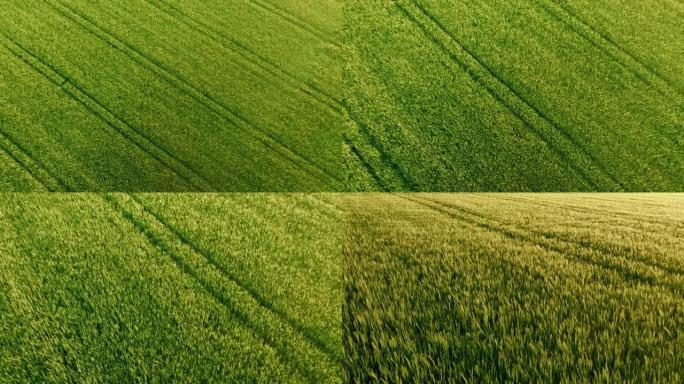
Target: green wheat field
[[170, 95], [341, 191], [170, 288], [514, 95], [524, 288]]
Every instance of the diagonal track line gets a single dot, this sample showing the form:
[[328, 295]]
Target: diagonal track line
[[630, 216], [10, 148], [385, 157], [187, 269], [249, 55], [601, 40], [20, 154], [586, 244], [97, 109], [264, 136], [634, 199], [295, 20], [272, 337], [569, 150], [307, 333], [623, 272], [364, 162]]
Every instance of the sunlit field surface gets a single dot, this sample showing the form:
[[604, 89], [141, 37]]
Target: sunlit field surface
[[170, 95], [521, 95], [528, 288], [170, 288]]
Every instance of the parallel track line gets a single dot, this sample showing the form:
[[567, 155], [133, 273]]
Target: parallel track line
[[295, 20], [624, 273], [566, 147], [264, 136], [216, 293], [263, 63], [98, 110], [303, 330]]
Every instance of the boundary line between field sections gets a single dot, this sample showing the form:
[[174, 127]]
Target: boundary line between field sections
[[133, 135], [296, 21], [245, 286], [570, 151], [601, 40], [625, 272], [264, 136], [249, 55], [265, 324]]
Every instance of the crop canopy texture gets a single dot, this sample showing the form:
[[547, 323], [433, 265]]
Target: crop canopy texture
[[501, 288], [501, 95], [170, 95], [170, 288]]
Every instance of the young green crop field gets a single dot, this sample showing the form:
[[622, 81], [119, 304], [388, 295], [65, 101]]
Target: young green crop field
[[170, 288], [501, 95], [170, 95], [500, 288]]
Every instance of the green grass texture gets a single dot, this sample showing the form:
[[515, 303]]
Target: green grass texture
[[170, 95], [513, 288], [243, 288], [514, 96], [332, 95]]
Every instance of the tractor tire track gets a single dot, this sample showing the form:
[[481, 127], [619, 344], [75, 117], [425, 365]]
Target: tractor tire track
[[523, 234], [295, 324], [118, 125], [264, 136], [9, 146], [249, 55], [385, 157], [16, 151], [143, 221], [634, 218], [608, 250], [144, 229], [630, 197], [138, 139], [623, 272], [564, 14], [330, 205], [366, 165], [572, 153], [646, 74], [296, 21]]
